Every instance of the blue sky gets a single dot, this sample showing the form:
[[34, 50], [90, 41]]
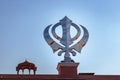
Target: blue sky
[[22, 23]]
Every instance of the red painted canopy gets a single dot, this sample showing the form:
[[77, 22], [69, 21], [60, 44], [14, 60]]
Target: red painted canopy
[[26, 65]]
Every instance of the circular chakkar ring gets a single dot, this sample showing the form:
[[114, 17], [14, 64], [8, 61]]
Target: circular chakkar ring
[[59, 38]]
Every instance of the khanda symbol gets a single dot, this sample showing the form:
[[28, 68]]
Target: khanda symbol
[[65, 41]]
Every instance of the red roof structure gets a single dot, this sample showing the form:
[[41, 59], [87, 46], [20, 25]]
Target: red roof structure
[[66, 71]]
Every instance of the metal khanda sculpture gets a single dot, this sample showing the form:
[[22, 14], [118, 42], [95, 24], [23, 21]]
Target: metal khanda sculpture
[[65, 45]]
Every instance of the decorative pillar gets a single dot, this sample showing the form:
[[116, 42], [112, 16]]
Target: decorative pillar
[[29, 71], [17, 72], [34, 72], [22, 71]]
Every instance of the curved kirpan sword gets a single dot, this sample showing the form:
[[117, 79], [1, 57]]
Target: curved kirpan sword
[[55, 46]]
